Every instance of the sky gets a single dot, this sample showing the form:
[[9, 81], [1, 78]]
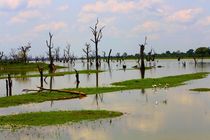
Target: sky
[[168, 24]]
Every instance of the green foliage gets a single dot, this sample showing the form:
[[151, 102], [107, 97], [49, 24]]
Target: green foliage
[[54, 118], [202, 51]]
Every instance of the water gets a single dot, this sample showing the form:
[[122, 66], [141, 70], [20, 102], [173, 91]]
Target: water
[[150, 114]]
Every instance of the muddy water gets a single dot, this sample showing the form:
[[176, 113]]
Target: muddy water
[[150, 114], [112, 74]]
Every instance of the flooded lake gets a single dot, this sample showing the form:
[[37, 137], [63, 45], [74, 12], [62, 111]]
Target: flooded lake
[[150, 114]]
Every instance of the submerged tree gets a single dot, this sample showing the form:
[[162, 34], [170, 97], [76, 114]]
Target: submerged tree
[[50, 55], [109, 57], [23, 52], [87, 51], [57, 54], [97, 36], [142, 67]]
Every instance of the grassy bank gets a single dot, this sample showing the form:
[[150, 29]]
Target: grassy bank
[[169, 81], [21, 68], [54, 118], [34, 98], [201, 89], [52, 74]]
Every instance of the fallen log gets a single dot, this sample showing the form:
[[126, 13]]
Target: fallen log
[[67, 91]]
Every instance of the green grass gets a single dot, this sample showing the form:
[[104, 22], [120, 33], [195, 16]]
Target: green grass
[[34, 98], [54, 118], [201, 89], [22, 69], [53, 74], [172, 81]]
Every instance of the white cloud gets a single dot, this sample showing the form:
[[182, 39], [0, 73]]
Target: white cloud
[[24, 16], [148, 3], [148, 26], [119, 6], [204, 22], [63, 8], [86, 17], [50, 26], [38, 3], [11, 4], [185, 15], [109, 6]]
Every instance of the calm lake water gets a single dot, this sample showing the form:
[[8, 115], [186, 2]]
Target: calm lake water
[[150, 114]]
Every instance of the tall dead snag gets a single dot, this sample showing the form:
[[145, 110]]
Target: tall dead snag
[[50, 47], [97, 36], [194, 58], [77, 78], [142, 67], [87, 52], [109, 56], [41, 75], [23, 51], [57, 54], [9, 86], [67, 52]]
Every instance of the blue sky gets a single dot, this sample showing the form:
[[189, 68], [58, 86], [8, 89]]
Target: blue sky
[[169, 25]]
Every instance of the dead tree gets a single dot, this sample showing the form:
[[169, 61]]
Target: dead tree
[[109, 56], [87, 52], [23, 51], [104, 55], [142, 67], [118, 57], [13, 55], [141, 55], [77, 78], [67, 52], [57, 54], [9, 86], [41, 75], [97, 36], [1, 55], [50, 47], [64, 56]]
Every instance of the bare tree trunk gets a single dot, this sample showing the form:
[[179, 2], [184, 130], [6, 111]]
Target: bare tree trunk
[[50, 47], [87, 51], [51, 83], [108, 60], [7, 88], [195, 61], [41, 76], [97, 33], [77, 78], [9, 85]]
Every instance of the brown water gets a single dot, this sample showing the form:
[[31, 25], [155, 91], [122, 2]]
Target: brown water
[[150, 114]]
